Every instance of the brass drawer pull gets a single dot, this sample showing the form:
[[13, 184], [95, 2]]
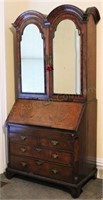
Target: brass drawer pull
[[55, 171], [54, 142], [38, 149], [23, 137], [39, 162], [24, 164], [55, 156], [23, 150]]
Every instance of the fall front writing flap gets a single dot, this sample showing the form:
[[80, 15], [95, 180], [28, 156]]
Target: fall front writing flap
[[62, 115]]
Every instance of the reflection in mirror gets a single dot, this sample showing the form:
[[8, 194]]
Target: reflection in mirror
[[32, 61], [66, 59]]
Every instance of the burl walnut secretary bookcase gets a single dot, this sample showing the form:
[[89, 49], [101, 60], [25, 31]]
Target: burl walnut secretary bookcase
[[52, 125]]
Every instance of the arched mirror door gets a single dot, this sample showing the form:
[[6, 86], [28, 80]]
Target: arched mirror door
[[32, 61], [67, 54], [67, 59]]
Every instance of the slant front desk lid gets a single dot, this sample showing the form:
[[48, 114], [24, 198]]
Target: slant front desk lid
[[62, 115]]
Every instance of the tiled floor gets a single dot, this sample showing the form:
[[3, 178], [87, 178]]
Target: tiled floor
[[21, 189]]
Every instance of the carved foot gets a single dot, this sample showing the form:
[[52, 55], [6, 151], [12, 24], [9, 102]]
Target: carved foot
[[75, 192], [95, 176], [9, 174]]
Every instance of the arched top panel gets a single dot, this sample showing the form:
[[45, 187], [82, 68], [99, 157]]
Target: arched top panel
[[28, 17], [74, 13]]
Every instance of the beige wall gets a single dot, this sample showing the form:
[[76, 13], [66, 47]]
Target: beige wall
[[13, 8]]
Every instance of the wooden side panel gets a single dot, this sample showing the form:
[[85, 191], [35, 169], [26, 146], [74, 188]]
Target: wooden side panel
[[87, 139], [91, 113], [91, 59]]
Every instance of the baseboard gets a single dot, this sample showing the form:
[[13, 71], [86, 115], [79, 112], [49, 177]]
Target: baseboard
[[100, 168]]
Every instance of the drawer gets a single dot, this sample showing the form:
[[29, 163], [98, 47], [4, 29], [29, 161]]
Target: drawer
[[23, 138], [57, 143], [56, 156], [42, 168], [19, 149], [61, 157], [20, 163], [41, 132]]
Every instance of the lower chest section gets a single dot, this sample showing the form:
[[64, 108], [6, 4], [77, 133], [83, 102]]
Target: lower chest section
[[43, 151]]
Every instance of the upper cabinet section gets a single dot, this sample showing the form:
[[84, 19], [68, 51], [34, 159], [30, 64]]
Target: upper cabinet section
[[53, 61]]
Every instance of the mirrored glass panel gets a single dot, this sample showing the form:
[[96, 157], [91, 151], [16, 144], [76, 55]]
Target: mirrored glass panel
[[66, 59], [32, 61]]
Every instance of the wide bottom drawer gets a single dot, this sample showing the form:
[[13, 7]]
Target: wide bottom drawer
[[41, 167]]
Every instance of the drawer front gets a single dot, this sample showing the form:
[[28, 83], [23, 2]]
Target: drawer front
[[45, 154], [23, 138], [57, 143], [61, 157], [17, 149], [20, 163], [42, 168], [42, 132]]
